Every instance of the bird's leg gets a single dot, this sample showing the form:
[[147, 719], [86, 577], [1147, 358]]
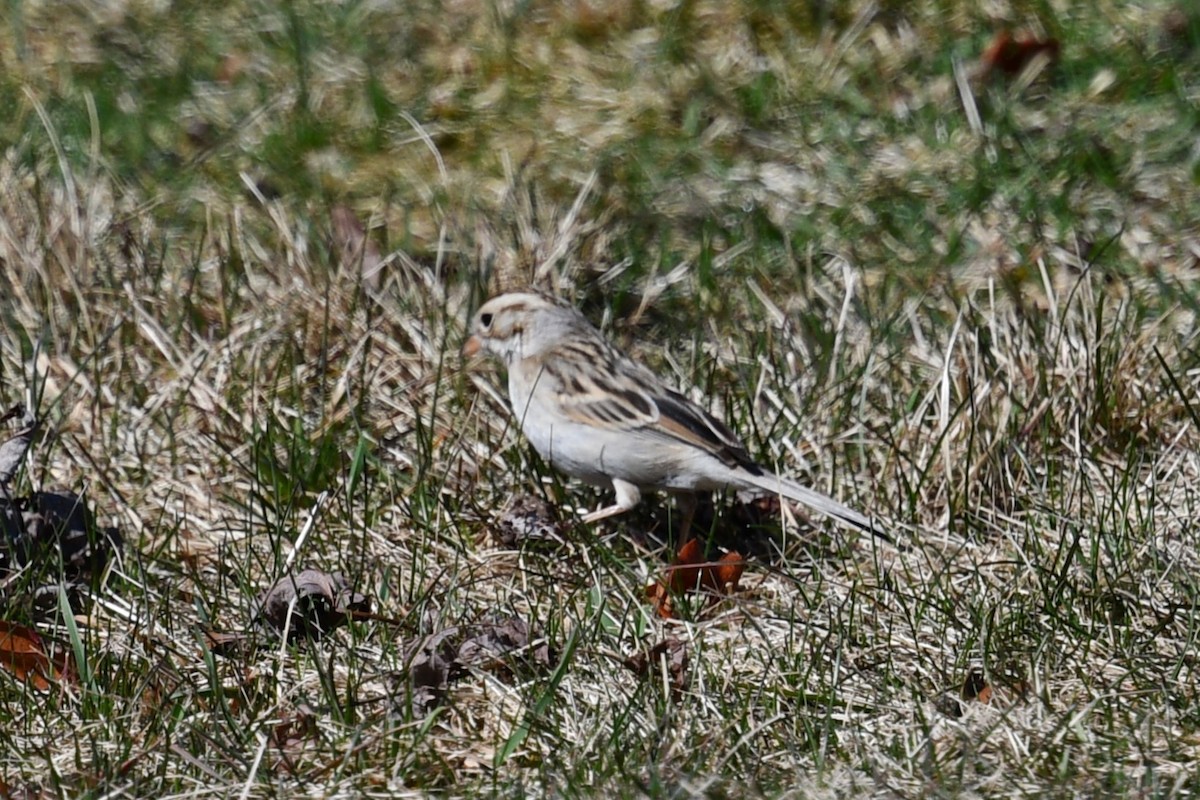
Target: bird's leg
[[628, 496], [687, 502]]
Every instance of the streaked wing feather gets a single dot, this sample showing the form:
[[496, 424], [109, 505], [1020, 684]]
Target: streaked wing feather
[[607, 412], [684, 420], [634, 398], [593, 398]]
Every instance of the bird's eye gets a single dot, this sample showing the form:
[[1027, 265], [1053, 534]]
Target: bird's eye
[[485, 320]]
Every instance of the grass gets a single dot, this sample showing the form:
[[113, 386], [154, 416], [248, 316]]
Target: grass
[[978, 328]]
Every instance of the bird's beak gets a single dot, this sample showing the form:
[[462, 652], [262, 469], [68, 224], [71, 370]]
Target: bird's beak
[[471, 346]]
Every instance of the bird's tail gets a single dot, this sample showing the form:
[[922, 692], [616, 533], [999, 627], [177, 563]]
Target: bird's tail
[[776, 484]]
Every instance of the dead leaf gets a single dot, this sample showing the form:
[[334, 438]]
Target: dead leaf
[[757, 510], [200, 133], [229, 645], [658, 595], [976, 687], [726, 574], [1181, 25], [319, 602], [358, 250], [24, 654], [58, 526], [432, 666], [296, 729], [65, 518], [1011, 55], [195, 550], [527, 518], [27, 791], [230, 68], [948, 705], [670, 654], [497, 644], [685, 571], [435, 661], [689, 572]]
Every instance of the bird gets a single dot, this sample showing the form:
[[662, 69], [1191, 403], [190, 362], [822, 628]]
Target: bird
[[595, 414]]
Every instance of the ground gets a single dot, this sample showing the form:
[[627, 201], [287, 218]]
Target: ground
[[938, 260]]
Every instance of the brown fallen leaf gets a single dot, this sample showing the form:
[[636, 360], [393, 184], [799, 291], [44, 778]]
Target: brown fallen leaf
[[358, 250], [499, 643], [26, 791], [200, 133], [755, 510], [949, 705], [1181, 27], [670, 654], [195, 550], [229, 645], [432, 666], [63, 520], [296, 730], [24, 654], [689, 572], [527, 518], [976, 687], [319, 602], [55, 534], [686, 570], [659, 596], [230, 68], [724, 576], [1010, 55], [437, 660]]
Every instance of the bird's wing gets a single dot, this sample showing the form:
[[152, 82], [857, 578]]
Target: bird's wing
[[626, 396], [683, 420]]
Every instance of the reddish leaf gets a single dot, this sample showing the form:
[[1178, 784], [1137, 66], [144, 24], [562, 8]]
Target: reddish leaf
[[1010, 56], [690, 573], [685, 571], [658, 594], [24, 655], [727, 572], [976, 687]]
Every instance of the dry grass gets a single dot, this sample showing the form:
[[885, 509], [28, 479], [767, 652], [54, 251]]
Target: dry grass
[[979, 327]]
